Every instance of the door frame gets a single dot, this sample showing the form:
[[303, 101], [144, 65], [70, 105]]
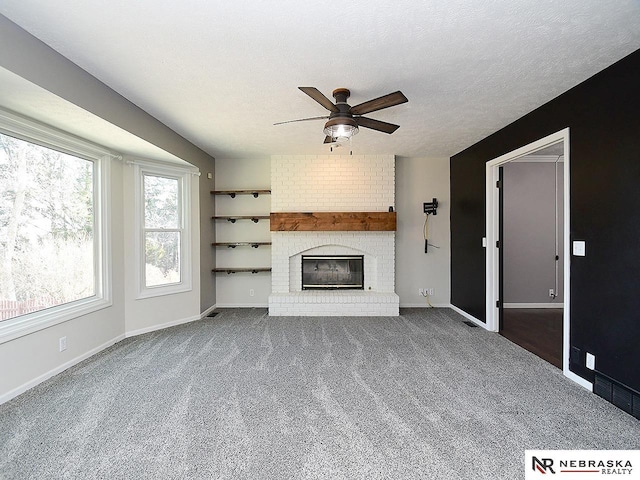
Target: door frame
[[492, 236]]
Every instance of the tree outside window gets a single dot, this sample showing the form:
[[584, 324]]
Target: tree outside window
[[47, 244], [162, 230], [163, 213]]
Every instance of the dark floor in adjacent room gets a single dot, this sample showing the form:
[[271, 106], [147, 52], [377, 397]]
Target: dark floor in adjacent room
[[538, 330]]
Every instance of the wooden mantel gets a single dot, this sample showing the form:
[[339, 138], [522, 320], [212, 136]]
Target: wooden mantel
[[333, 221]]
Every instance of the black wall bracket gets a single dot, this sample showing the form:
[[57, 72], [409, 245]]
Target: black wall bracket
[[431, 208]]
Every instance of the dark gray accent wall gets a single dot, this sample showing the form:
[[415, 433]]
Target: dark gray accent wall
[[603, 114], [33, 60]]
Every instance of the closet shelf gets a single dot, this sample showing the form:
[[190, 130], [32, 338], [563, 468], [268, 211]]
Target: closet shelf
[[233, 218], [240, 244], [239, 270], [233, 193]]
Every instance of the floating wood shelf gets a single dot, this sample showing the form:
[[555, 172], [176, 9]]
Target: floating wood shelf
[[233, 218], [240, 244], [233, 193], [333, 221], [239, 270]]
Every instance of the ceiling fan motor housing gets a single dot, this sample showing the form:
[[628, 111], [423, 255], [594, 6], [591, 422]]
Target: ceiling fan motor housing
[[341, 95], [341, 124]]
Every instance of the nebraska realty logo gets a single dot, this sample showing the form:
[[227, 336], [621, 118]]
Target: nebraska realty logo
[[579, 464]]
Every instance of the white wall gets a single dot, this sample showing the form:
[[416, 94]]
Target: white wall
[[332, 183], [233, 290], [35, 357], [418, 180], [147, 314], [28, 360]]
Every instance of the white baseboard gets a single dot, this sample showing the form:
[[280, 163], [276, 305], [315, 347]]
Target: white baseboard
[[59, 369], [468, 316], [533, 305], [424, 305], [5, 397], [208, 310], [153, 328], [579, 380], [252, 305], [242, 305]]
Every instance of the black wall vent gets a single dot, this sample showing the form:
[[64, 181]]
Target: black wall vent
[[622, 398], [616, 393], [603, 388], [470, 324]]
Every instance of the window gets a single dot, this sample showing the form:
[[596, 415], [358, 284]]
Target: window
[[163, 217], [53, 253]]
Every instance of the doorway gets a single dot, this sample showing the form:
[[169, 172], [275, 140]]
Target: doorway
[[531, 260], [555, 144]]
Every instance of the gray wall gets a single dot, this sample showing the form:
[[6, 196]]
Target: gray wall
[[235, 290], [530, 232], [36, 62], [418, 180]]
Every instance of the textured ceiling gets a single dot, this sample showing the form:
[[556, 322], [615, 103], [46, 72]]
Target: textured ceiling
[[221, 73]]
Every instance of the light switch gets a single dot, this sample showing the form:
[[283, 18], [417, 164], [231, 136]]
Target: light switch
[[590, 361], [579, 248], [484, 242]]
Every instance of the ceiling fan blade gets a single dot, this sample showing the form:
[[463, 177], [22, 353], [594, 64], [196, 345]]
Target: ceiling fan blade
[[386, 101], [328, 139], [303, 120], [376, 125], [317, 95]]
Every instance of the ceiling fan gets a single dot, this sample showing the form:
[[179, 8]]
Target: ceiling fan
[[344, 120]]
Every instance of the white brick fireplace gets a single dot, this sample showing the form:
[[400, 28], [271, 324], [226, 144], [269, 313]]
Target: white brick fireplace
[[333, 183]]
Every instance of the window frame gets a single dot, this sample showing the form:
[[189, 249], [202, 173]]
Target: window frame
[[38, 133], [183, 175]]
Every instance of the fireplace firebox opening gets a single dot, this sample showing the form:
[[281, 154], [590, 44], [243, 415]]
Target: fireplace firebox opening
[[344, 272]]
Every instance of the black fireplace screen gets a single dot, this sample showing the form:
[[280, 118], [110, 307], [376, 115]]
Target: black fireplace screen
[[332, 272]]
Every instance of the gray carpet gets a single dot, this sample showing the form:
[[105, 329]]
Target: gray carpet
[[243, 395]]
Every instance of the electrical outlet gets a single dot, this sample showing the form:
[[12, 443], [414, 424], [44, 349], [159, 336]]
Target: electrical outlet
[[552, 293], [430, 291], [62, 343], [591, 361], [426, 291], [251, 292]]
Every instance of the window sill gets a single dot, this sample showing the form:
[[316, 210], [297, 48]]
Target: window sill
[[163, 290], [17, 327]]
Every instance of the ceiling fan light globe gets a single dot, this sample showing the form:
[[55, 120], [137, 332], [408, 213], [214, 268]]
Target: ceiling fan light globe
[[341, 128]]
